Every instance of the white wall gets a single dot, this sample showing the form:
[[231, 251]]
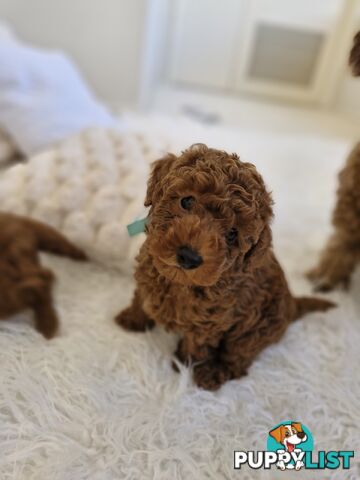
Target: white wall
[[104, 37], [348, 95]]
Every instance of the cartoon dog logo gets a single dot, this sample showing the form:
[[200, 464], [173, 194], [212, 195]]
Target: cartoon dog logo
[[289, 435]]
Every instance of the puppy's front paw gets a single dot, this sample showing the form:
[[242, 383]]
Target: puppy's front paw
[[325, 279], [211, 375], [135, 323], [334, 270]]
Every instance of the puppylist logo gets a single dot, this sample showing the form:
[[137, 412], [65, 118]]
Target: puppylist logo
[[290, 446]]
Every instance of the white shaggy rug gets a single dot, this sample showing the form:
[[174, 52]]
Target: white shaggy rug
[[99, 403]]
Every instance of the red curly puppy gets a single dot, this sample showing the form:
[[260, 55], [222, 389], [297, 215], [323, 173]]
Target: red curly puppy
[[24, 283], [207, 269], [342, 253]]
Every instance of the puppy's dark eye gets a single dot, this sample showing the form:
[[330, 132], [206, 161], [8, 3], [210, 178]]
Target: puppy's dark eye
[[187, 202], [231, 236]]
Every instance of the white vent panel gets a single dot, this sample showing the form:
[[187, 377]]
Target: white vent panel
[[282, 54]]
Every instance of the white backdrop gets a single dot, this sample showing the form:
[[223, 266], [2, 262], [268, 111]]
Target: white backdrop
[[103, 37], [106, 39]]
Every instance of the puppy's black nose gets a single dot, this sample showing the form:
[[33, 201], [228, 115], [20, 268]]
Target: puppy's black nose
[[301, 434], [187, 258]]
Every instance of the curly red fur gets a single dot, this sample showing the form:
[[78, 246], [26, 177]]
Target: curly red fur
[[24, 283], [355, 56], [237, 301]]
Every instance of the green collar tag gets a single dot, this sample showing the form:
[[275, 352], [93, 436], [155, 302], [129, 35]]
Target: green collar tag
[[136, 227]]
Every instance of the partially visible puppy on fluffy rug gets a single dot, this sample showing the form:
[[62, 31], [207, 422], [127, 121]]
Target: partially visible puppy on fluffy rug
[[342, 252], [24, 283], [207, 269]]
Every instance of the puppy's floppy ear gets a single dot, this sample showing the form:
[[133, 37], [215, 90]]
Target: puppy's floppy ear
[[278, 433], [255, 255], [255, 206], [159, 169], [297, 426]]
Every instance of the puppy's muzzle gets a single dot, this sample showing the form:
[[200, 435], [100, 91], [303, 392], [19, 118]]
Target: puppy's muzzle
[[301, 435], [187, 258]]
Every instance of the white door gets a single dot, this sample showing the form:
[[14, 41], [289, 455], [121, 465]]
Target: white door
[[203, 38]]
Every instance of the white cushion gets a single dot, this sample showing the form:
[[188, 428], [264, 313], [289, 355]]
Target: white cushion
[[43, 98]]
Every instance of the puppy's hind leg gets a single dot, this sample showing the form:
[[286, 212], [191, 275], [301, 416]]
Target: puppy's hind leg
[[134, 318]]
